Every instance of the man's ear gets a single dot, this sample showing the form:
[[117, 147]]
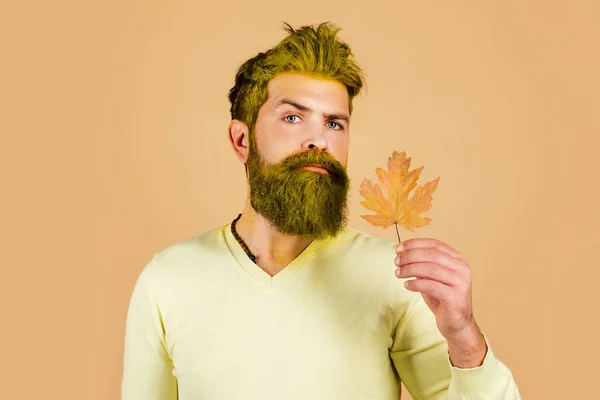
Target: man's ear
[[239, 139]]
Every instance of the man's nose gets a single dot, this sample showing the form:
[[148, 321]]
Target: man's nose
[[316, 140]]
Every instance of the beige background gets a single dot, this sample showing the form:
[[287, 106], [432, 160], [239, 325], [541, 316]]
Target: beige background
[[113, 122]]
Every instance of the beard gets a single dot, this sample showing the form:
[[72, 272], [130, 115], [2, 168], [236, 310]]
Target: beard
[[297, 201]]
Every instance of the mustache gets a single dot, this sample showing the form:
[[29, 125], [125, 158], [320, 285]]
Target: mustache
[[314, 158]]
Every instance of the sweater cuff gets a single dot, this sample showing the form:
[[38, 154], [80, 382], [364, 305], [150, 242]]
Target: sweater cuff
[[473, 382]]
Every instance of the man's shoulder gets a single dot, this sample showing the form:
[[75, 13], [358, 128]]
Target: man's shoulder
[[202, 246], [368, 263], [357, 240], [361, 251]]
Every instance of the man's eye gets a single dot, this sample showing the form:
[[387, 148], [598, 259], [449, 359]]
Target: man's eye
[[333, 125], [289, 118]]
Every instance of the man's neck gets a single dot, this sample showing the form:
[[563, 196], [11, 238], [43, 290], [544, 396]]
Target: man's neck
[[272, 249]]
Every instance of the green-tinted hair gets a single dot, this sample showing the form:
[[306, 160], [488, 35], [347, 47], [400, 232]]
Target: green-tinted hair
[[312, 51]]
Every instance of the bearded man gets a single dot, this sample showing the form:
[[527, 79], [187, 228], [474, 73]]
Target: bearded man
[[286, 301]]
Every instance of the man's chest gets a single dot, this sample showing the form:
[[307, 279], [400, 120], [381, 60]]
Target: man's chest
[[280, 342]]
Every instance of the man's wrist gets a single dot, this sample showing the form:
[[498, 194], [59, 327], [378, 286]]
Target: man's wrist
[[469, 350]]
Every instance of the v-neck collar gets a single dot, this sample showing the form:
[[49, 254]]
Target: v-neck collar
[[257, 273]]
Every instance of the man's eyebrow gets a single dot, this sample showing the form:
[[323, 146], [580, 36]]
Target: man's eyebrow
[[338, 116]]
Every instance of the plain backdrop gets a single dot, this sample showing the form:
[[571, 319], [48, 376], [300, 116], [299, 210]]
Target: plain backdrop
[[114, 116]]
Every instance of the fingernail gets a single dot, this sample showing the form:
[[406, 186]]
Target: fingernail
[[399, 247], [397, 260], [398, 272]]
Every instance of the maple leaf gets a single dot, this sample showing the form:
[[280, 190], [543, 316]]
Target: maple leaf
[[390, 200]]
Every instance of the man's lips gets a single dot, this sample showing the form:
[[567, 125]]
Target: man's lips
[[317, 168]]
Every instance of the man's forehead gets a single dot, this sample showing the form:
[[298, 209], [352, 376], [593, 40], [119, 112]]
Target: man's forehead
[[308, 91]]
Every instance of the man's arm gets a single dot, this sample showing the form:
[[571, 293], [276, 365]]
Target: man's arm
[[420, 355], [147, 371]]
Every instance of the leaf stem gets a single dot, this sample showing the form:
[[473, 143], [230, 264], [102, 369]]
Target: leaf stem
[[396, 225]]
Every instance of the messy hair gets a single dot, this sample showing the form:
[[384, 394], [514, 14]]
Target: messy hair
[[308, 50]]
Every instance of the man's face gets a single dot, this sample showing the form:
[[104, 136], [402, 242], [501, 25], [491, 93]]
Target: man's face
[[304, 121]]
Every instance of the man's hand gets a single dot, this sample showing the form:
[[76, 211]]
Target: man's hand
[[444, 280]]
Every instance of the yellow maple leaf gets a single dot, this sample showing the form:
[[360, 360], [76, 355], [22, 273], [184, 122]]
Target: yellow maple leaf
[[390, 200]]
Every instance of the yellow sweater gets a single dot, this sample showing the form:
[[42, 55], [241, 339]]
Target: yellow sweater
[[206, 323]]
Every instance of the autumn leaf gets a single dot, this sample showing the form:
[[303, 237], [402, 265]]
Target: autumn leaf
[[389, 198]]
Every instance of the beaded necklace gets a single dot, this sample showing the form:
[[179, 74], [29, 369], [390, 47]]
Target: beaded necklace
[[240, 241]]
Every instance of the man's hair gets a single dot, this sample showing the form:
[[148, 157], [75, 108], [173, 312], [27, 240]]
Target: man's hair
[[308, 50]]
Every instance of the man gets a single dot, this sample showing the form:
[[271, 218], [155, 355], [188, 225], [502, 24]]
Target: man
[[286, 302]]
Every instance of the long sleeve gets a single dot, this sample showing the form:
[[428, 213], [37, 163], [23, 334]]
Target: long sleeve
[[420, 355], [147, 372]]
